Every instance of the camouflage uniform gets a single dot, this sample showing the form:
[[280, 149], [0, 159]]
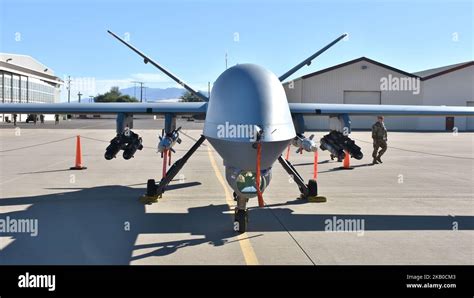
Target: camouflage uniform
[[379, 134]]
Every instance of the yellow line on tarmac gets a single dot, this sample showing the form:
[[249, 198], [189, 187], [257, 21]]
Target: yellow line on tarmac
[[245, 245]]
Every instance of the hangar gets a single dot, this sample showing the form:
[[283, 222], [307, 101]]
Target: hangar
[[366, 81], [25, 80]]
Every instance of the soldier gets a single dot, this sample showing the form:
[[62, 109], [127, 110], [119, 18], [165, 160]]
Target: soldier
[[379, 135]]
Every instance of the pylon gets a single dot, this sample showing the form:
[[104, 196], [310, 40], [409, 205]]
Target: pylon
[[78, 165], [347, 161]]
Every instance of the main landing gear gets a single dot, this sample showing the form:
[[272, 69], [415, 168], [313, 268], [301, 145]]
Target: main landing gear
[[153, 191], [308, 191]]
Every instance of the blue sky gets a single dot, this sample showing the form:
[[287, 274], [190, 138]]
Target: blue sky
[[191, 37]]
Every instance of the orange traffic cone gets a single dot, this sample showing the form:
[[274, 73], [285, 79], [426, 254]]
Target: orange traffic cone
[[78, 165], [346, 165]]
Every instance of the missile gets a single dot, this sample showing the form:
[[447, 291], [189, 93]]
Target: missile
[[168, 141], [128, 141], [337, 143], [304, 143]]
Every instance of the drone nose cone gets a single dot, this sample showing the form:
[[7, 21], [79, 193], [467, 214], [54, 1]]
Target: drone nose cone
[[247, 101], [251, 96]]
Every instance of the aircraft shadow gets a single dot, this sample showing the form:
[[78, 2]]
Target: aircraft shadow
[[88, 226]]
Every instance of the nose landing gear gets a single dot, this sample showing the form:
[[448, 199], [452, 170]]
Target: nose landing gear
[[241, 217]]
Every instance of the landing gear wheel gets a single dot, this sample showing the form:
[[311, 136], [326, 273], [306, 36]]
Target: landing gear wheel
[[241, 220], [313, 193], [151, 188], [151, 195], [312, 188]]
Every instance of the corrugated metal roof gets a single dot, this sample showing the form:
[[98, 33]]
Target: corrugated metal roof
[[423, 75], [434, 72], [355, 61]]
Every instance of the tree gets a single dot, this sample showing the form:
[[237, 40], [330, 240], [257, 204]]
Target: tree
[[189, 97], [114, 95]]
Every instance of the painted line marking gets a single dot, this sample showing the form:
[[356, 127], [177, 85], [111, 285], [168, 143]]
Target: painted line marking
[[245, 245]]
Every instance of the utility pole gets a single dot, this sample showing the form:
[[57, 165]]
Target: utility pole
[[69, 89], [141, 89], [79, 94]]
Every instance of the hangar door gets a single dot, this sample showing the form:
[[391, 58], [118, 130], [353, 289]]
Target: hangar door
[[362, 97], [470, 120]]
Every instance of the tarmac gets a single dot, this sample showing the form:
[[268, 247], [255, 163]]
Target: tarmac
[[415, 208]]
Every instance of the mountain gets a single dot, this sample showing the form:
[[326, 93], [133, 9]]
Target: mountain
[[154, 93]]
